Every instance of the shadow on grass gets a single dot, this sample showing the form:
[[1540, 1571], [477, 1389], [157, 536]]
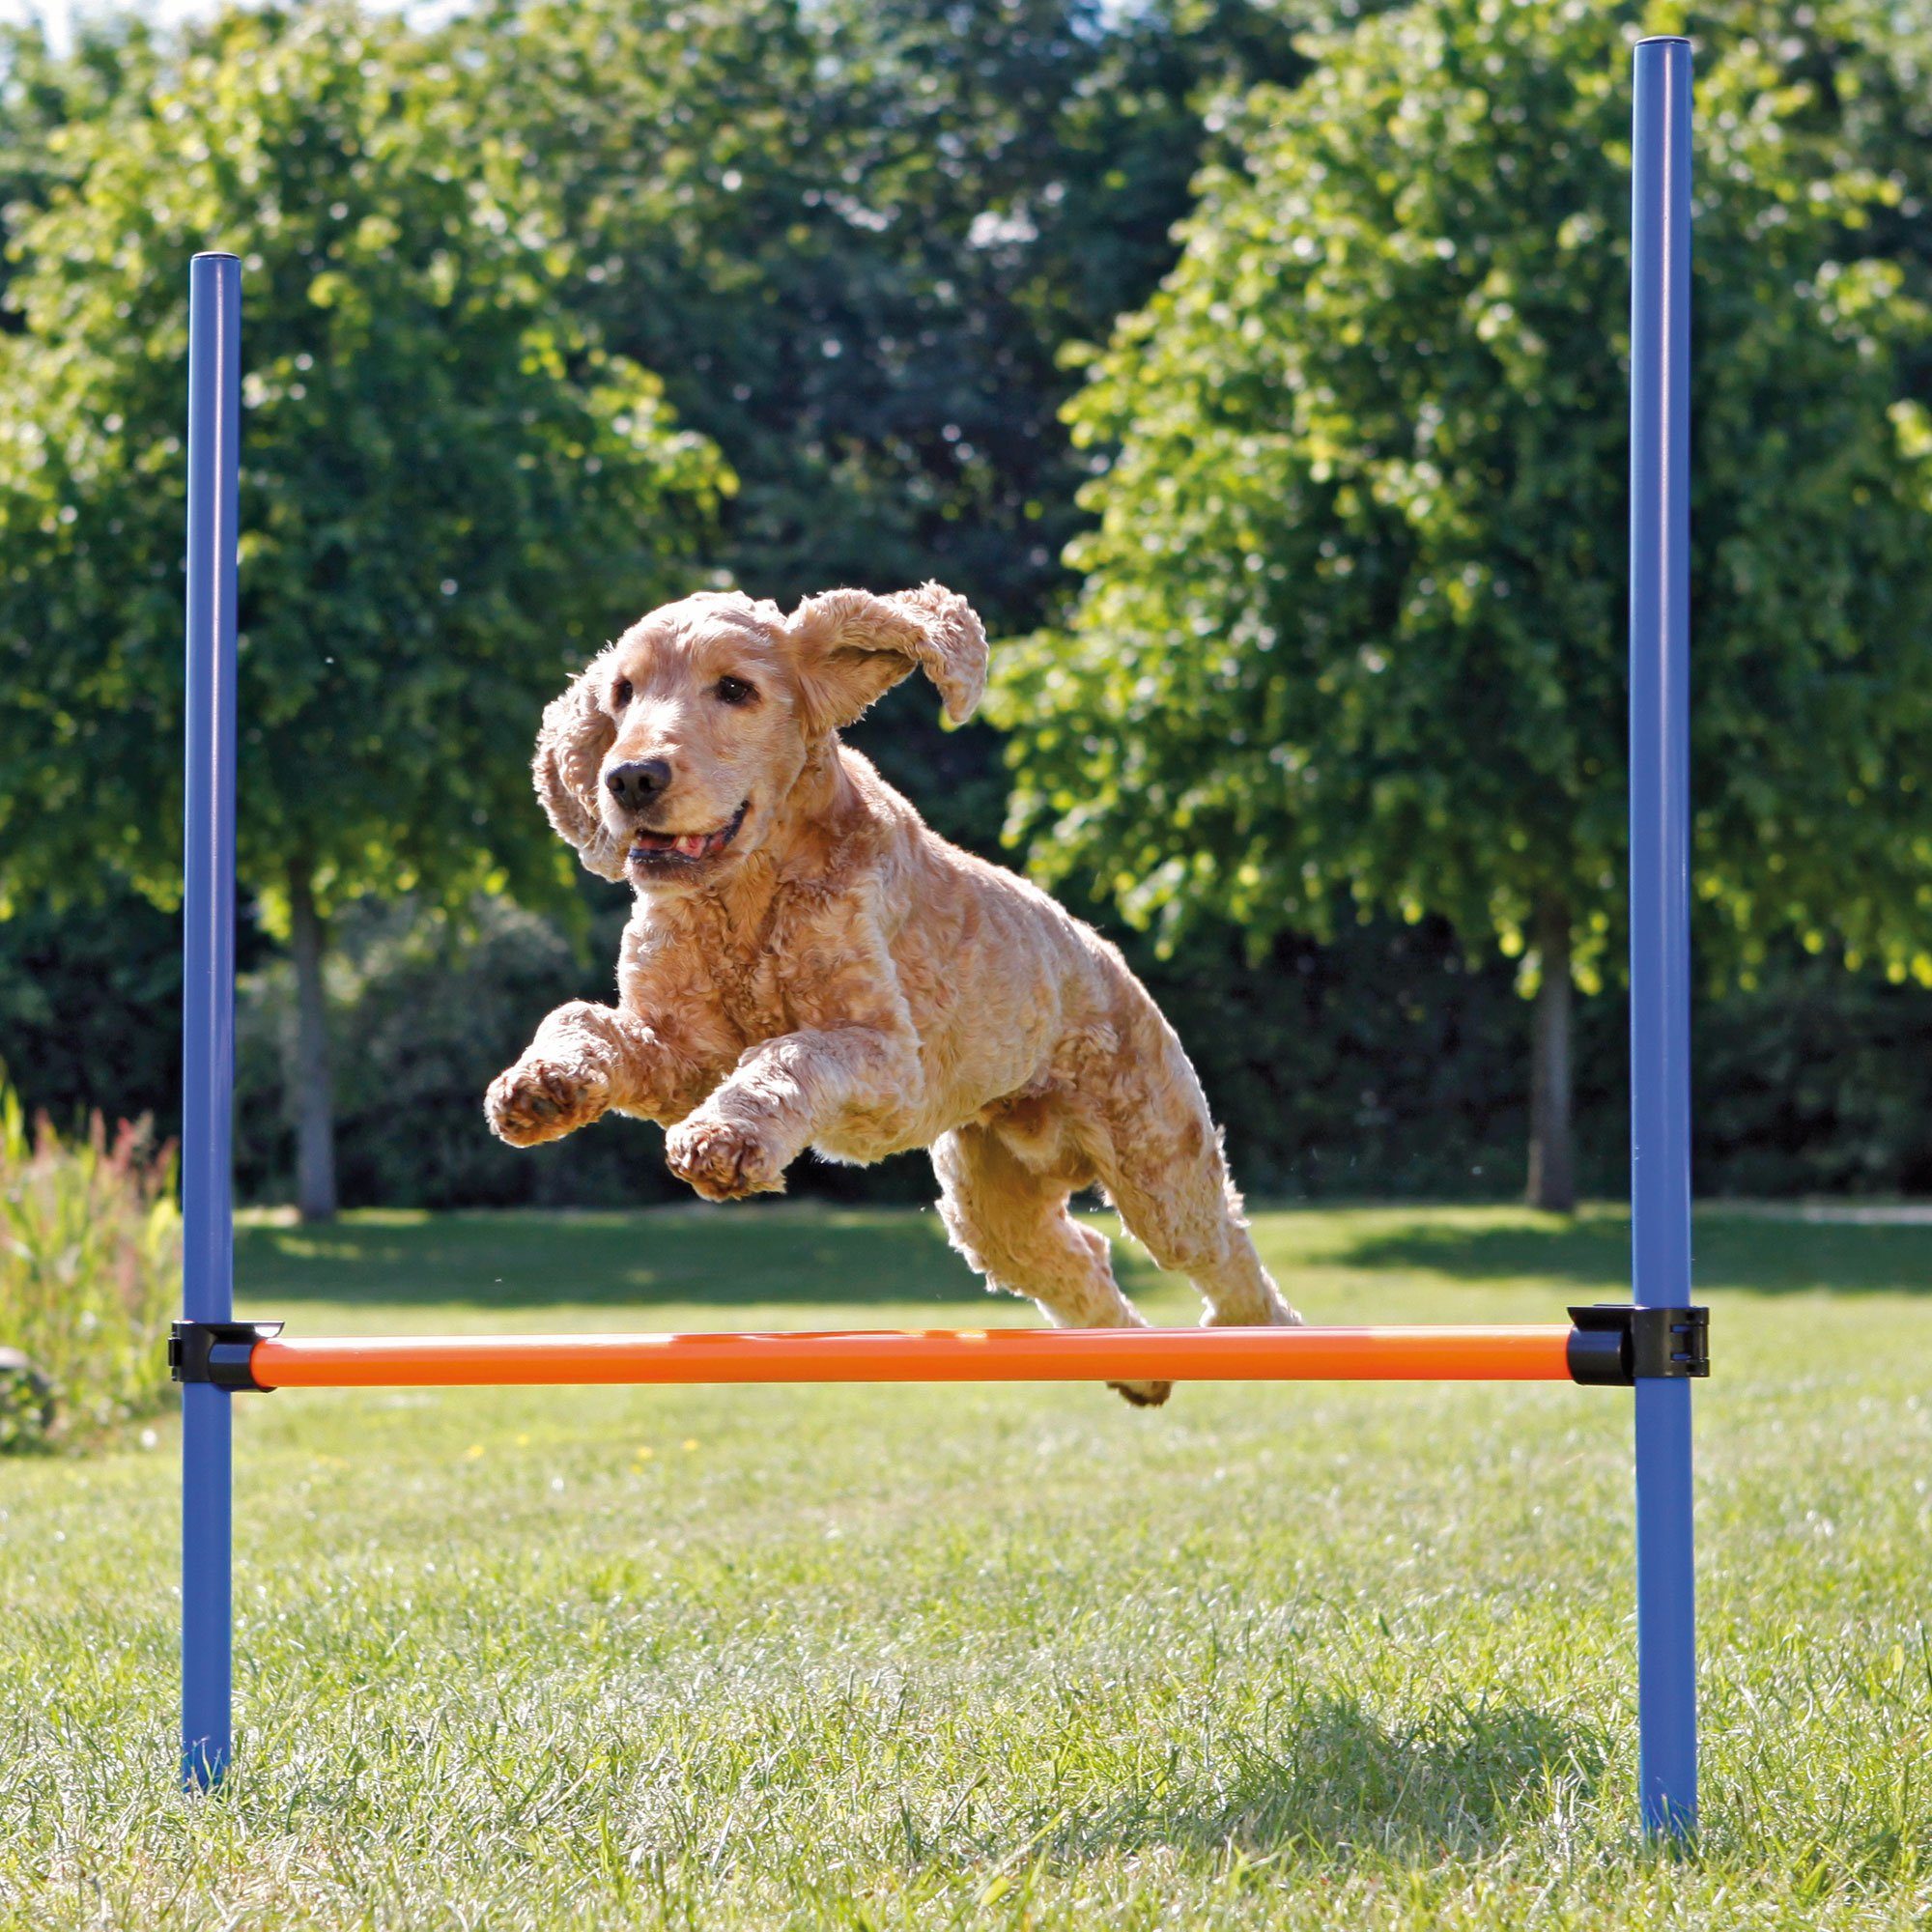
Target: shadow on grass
[[1592, 1256], [724, 1258], [786, 1256], [1333, 1781], [1730, 1250]]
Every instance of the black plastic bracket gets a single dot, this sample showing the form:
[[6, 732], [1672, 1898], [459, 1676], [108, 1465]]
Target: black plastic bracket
[[217, 1352], [1617, 1345]]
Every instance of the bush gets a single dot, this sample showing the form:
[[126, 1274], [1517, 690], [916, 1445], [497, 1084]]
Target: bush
[[89, 1273]]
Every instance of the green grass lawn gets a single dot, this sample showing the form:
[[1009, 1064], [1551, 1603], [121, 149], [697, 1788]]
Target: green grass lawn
[[1316, 1656]]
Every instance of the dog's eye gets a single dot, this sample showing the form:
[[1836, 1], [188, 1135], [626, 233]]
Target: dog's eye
[[622, 694], [733, 691]]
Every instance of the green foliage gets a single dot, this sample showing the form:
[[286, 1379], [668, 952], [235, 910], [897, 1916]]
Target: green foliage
[[1333, 1068], [450, 492], [90, 1267], [42, 92], [1352, 623], [854, 239], [1813, 1081], [90, 1003]]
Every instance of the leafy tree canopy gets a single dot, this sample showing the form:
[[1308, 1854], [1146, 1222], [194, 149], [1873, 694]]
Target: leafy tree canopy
[[452, 493], [41, 91], [853, 239], [1352, 627], [854, 236]]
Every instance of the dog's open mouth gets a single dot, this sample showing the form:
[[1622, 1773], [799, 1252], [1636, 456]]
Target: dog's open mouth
[[667, 849]]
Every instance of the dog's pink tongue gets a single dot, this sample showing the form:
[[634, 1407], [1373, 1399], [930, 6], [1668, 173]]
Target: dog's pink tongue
[[691, 843]]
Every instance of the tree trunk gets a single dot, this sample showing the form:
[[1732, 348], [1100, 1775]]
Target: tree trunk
[[1552, 1170], [314, 1095]]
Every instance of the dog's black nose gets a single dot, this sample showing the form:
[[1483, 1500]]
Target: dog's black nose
[[635, 786]]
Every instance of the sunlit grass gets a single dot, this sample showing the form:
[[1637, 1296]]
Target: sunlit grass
[[1315, 1656]]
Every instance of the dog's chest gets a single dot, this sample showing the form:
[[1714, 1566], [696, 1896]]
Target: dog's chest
[[746, 964], [731, 980], [751, 994]]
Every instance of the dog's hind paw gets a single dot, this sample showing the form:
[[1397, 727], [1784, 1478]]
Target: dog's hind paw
[[1144, 1395], [723, 1160]]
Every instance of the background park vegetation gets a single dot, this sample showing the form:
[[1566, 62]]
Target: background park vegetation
[[1255, 368]]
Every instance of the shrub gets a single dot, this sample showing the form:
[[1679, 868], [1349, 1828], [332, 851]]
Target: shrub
[[90, 1271]]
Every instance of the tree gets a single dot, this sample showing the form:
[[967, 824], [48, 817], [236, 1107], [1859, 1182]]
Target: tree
[[853, 239], [450, 495], [1351, 632], [41, 92]]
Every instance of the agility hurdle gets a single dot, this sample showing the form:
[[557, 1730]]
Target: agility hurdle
[[1655, 1343]]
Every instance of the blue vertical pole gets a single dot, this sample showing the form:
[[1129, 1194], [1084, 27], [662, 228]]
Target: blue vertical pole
[[1659, 860], [207, 1000]]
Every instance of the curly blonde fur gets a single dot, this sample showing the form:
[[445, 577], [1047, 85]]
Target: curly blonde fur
[[809, 966]]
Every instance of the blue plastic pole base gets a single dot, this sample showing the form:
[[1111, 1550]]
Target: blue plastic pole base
[[206, 1622], [1666, 1629]]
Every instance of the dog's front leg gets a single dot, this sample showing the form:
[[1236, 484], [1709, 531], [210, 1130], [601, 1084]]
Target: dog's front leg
[[781, 1095], [585, 1061]]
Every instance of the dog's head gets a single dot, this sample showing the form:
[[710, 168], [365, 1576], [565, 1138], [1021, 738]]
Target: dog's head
[[671, 754]]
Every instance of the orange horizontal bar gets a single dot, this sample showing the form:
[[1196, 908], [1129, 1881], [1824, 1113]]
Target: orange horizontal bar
[[1522, 1354]]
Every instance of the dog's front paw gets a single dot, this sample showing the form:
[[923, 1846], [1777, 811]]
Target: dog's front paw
[[1144, 1395], [723, 1159], [537, 1101]]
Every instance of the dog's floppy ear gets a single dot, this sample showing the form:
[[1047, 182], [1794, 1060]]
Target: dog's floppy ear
[[851, 647], [575, 735]]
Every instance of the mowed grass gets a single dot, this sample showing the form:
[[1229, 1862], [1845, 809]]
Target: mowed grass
[[1300, 1655]]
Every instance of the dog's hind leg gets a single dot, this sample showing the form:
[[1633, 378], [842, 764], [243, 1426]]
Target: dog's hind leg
[[1010, 1222], [1159, 1159]]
